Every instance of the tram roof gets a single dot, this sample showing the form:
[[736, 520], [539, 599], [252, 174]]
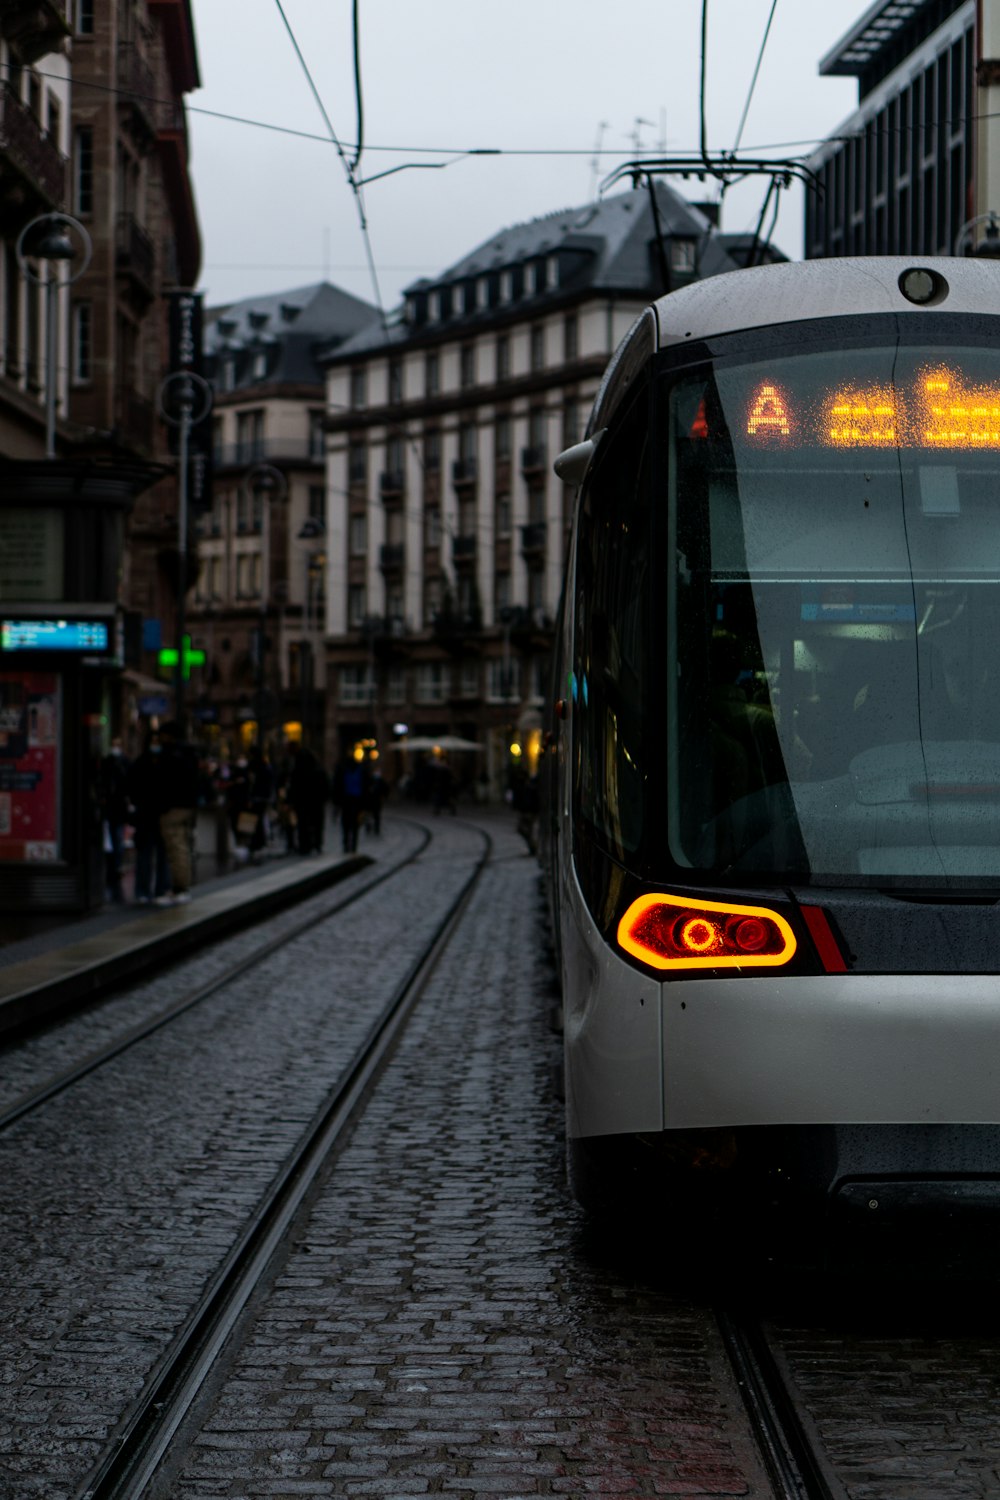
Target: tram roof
[[793, 292]]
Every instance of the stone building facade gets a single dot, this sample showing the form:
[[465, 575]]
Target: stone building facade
[[446, 526]]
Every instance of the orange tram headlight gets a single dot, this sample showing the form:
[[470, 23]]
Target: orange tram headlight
[[673, 932]]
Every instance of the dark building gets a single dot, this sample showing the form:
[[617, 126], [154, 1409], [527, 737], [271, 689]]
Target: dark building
[[257, 610], [897, 177]]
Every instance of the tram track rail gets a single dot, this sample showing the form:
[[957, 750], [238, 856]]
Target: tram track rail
[[99, 1057], [793, 1462], [171, 1391]]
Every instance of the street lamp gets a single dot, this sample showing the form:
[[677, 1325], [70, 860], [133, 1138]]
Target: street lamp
[[264, 478], [50, 242], [989, 246]]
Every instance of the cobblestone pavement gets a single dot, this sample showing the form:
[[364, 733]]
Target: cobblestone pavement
[[121, 1197], [39, 1057], [440, 1327], [442, 1323]]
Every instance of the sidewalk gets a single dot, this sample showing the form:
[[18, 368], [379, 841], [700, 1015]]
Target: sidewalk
[[74, 959]]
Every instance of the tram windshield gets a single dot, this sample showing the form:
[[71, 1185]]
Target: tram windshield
[[833, 617]]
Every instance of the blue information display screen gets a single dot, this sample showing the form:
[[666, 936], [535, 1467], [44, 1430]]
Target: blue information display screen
[[89, 636]]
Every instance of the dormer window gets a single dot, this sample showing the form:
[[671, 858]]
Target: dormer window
[[482, 293], [506, 286], [551, 273], [229, 373], [683, 254], [259, 319], [434, 307], [259, 364]]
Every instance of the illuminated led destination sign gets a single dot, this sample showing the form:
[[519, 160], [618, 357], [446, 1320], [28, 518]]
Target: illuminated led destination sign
[[90, 636], [940, 410]]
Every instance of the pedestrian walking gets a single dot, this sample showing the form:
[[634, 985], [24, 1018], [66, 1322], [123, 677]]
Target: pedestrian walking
[[349, 786], [377, 793], [308, 790], [113, 796], [152, 875], [178, 784]]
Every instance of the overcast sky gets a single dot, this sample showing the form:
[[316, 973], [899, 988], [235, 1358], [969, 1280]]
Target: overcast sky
[[542, 81]]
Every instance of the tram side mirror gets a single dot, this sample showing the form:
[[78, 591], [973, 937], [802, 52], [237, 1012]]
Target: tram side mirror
[[573, 463]]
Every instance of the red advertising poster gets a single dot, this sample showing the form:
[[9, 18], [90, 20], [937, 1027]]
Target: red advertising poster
[[29, 766]]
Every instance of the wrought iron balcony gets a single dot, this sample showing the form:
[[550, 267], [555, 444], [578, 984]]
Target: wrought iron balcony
[[135, 254], [391, 483], [464, 471], [29, 151]]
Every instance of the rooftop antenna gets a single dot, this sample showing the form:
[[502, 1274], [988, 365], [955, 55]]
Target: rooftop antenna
[[635, 137]]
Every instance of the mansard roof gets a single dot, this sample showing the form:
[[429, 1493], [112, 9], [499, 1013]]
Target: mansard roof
[[608, 247], [289, 327]]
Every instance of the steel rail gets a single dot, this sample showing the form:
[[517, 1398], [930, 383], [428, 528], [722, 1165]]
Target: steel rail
[[143, 1029], [794, 1466], [143, 1436]]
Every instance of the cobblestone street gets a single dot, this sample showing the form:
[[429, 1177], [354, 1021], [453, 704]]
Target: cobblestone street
[[441, 1326]]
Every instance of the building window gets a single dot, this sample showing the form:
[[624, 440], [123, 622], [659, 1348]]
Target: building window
[[249, 571], [432, 527], [482, 293], [469, 678], [432, 600], [432, 374], [249, 436], [502, 589], [468, 366], [683, 254], [357, 606], [395, 381], [538, 347], [432, 682], [317, 435], [395, 685], [571, 423], [85, 17], [571, 337], [552, 273], [359, 386], [83, 170], [503, 516], [317, 504], [503, 683], [259, 367], [432, 451], [503, 357], [358, 534], [82, 343], [356, 685], [357, 462], [503, 437], [467, 442]]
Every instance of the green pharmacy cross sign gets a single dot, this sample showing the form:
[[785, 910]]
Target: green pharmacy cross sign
[[189, 657]]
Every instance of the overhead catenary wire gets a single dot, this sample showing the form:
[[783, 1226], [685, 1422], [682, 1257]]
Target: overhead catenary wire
[[353, 183]]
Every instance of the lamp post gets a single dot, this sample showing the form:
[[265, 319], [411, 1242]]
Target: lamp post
[[47, 239], [264, 478], [184, 399], [313, 529]]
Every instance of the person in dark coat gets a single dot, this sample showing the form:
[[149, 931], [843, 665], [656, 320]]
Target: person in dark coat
[[377, 793], [178, 786], [113, 796], [349, 789], [308, 790], [152, 876]]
